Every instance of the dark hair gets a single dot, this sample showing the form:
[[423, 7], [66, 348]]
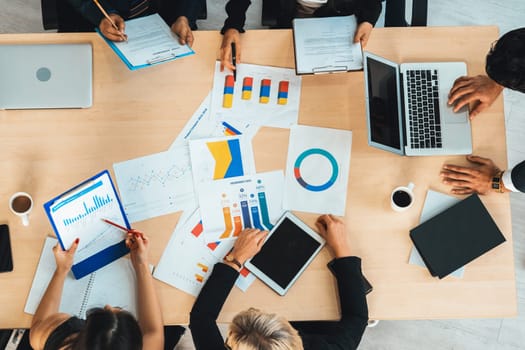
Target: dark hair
[[506, 60], [109, 330]]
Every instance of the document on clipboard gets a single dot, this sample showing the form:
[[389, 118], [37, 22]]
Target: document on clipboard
[[325, 45], [150, 41], [78, 213]]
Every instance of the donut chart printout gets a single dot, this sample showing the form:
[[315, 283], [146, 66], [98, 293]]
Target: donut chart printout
[[261, 95], [317, 170]]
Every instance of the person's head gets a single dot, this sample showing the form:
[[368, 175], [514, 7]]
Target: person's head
[[256, 330], [109, 329], [506, 60]]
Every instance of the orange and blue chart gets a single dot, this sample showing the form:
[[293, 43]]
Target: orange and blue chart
[[282, 96], [247, 87], [227, 99], [229, 130], [228, 158], [264, 94]]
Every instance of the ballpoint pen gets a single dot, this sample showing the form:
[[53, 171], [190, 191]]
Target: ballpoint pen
[[234, 62], [125, 229], [108, 18]]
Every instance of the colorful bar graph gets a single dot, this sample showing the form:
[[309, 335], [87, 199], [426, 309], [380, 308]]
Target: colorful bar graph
[[199, 278], [98, 202], [226, 212], [203, 267], [227, 100], [282, 96], [237, 222], [264, 94], [261, 194], [247, 87], [229, 130]]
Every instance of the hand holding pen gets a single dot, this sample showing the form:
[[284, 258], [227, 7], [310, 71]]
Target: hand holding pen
[[137, 243], [111, 26]]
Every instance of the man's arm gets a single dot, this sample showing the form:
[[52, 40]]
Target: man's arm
[[479, 90], [90, 11], [236, 11], [368, 11], [514, 179]]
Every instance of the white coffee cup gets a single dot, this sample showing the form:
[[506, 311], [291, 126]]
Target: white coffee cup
[[21, 205], [402, 197]]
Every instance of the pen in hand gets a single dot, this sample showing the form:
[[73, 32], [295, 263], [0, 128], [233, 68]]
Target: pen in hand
[[113, 24], [234, 62]]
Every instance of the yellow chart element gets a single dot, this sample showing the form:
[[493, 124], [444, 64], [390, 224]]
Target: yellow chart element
[[203, 267], [246, 95], [221, 153], [282, 101], [227, 100], [199, 278], [264, 99]]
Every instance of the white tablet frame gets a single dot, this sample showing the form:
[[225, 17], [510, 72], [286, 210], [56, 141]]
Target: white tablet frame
[[307, 230]]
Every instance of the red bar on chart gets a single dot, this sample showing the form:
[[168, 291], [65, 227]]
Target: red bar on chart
[[264, 94], [282, 96], [247, 87]]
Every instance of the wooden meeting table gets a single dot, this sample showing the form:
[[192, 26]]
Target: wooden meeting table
[[44, 152]]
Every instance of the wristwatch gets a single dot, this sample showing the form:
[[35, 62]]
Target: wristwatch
[[230, 258], [497, 184]]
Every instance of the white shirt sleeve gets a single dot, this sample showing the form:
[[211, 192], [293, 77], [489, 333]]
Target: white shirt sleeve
[[507, 181]]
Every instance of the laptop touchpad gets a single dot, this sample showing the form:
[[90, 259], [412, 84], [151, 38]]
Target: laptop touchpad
[[450, 116]]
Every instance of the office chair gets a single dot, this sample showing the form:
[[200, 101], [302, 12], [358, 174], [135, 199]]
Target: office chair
[[394, 13]]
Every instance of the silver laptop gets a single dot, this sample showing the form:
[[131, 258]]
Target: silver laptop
[[407, 110], [46, 76]]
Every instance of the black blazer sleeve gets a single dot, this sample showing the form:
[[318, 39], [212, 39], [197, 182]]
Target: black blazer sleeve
[[517, 176], [90, 11], [347, 332], [236, 11], [203, 315], [368, 11], [170, 10]]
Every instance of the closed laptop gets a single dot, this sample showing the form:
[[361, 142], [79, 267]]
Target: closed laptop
[[46, 76]]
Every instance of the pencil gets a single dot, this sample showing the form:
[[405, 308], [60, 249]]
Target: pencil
[[106, 14]]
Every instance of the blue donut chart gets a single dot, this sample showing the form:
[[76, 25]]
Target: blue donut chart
[[321, 152]]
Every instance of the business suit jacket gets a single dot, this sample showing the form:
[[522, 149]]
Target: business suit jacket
[[518, 176], [365, 11], [343, 334], [170, 10]]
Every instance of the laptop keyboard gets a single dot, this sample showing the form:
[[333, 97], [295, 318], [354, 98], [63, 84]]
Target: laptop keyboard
[[423, 106]]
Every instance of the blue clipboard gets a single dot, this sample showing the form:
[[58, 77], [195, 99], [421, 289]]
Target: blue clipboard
[[153, 63], [103, 257]]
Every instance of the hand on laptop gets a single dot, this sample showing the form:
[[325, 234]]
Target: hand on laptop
[[229, 37], [181, 27], [481, 90], [332, 229], [362, 33], [474, 179], [110, 32]]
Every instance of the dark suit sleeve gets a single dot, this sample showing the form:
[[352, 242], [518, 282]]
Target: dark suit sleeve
[[368, 11], [347, 332], [236, 11], [90, 11], [517, 176], [170, 10], [203, 315]]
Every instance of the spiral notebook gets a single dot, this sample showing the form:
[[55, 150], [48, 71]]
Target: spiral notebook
[[114, 284]]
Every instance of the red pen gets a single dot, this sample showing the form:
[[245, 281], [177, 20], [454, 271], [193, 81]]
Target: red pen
[[125, 229]]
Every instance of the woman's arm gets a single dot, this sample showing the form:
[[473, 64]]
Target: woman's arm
[[46, 317], [150, 315]]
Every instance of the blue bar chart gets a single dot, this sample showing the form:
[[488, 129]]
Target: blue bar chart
[[97, 203]]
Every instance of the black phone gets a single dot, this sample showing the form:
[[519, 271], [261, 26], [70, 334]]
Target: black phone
[[6, 258]]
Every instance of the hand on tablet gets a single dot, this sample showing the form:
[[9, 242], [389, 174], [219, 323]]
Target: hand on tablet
[[333, 230], [248, 244]]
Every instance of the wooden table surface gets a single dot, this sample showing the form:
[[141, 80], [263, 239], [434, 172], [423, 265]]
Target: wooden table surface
[[44, 152]]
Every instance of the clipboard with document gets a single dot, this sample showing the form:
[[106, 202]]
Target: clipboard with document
[[325, 45], [78, 213]]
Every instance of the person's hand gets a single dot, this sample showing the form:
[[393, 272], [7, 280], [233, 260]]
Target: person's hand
[[229, 37], [332, 229], [181, 27], [138, 245], [362, 33], [466, 180], [64, 258], [107, 29], [480, 90], [248, 244]]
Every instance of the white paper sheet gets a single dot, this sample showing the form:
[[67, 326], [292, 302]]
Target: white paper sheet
[[201, 125], [150, 41], [317, 170], [435, 203], [156, 185], [326, 44], [220, 158], [229, 205], [252, 110], [188, 260]]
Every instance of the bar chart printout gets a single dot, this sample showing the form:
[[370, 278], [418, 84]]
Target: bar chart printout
[[78, 214]]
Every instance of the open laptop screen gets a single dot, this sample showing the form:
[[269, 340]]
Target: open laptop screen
[[383, 108]]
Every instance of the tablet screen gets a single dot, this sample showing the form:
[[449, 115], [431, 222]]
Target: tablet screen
[[285, 253]]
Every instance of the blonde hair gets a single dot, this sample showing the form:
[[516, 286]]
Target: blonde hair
[[256, 330]]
